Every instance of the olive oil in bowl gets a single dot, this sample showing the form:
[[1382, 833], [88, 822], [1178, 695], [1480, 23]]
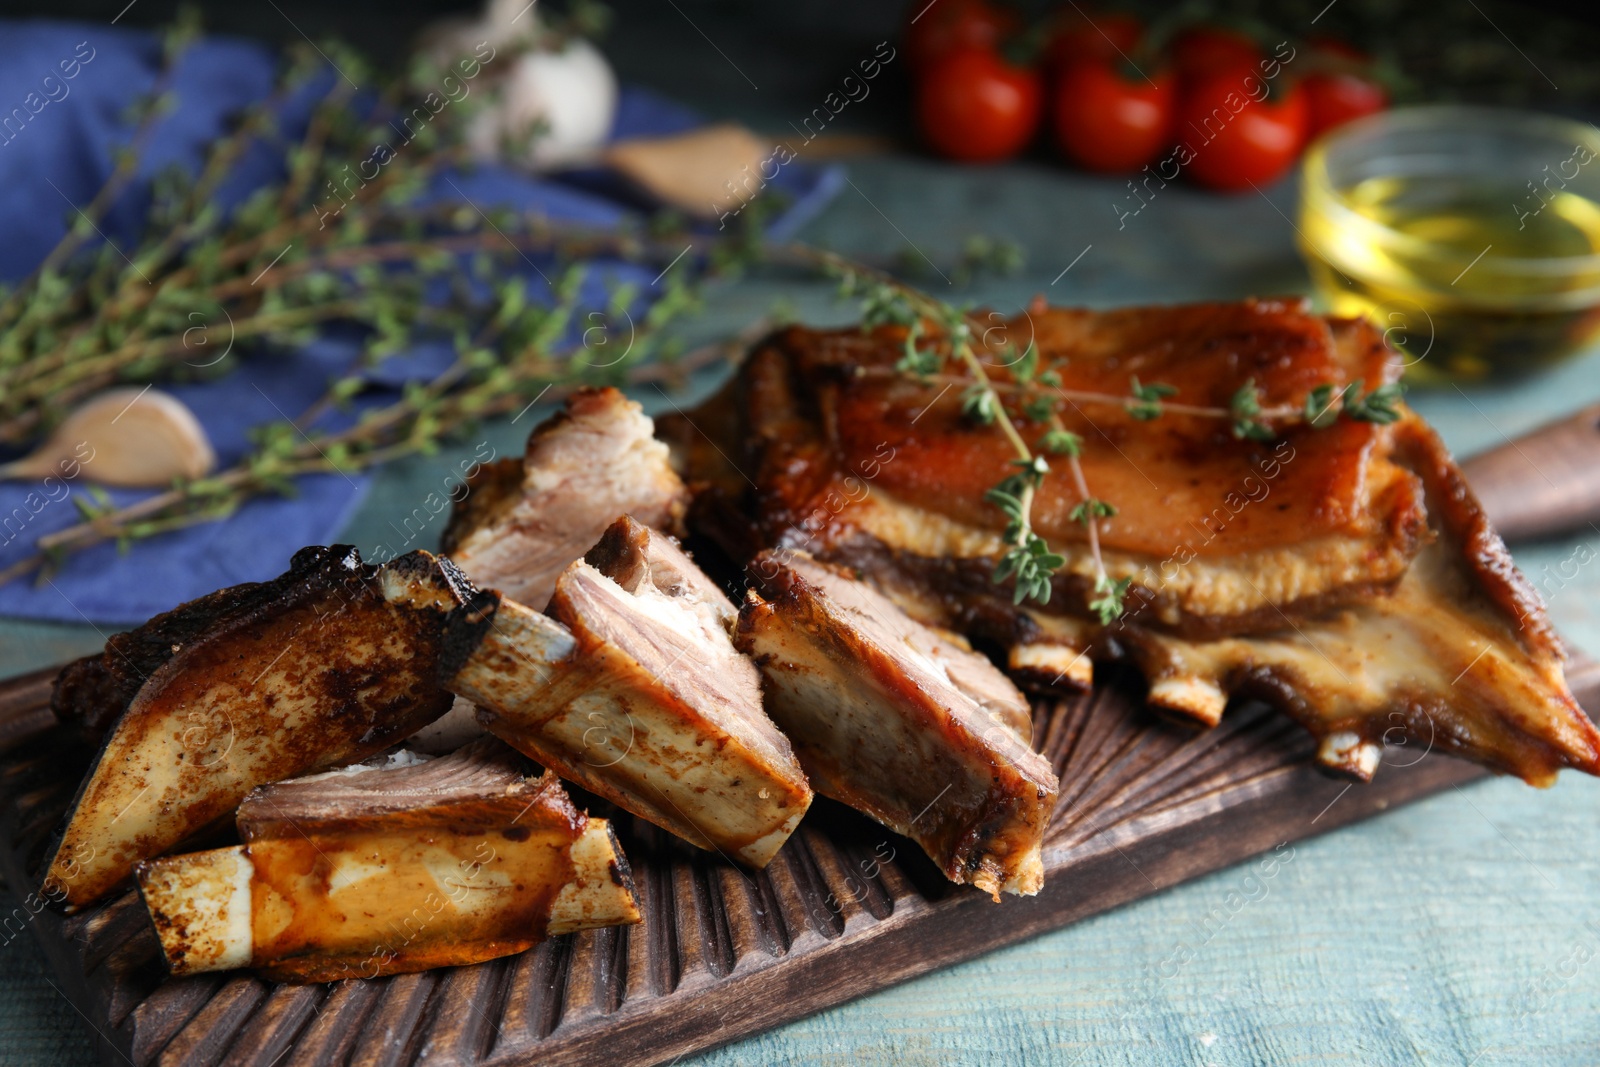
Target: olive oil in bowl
[[1470, 236]]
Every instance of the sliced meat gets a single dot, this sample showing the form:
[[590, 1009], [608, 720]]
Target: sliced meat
[[880, 722], [633, 690], [327, 664], [409, 864], [519, 526]]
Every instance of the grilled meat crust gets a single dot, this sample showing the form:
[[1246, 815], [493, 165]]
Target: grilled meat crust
[[886, 717], [328, 663], [86, 697], [91, 692]]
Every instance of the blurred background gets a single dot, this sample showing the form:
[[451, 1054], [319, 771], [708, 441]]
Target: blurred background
[[1453, 50]]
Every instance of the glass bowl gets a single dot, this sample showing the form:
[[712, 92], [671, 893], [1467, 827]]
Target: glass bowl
[[1469, 235]]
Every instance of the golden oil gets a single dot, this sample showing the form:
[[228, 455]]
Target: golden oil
[[1470, 280]]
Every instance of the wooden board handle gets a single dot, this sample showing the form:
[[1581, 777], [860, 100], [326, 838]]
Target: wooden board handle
[[1545, 483]]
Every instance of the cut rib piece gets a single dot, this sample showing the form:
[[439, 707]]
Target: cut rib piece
[[385, 869], [329, 663], [524, 521], [636, 693], [881, 722]]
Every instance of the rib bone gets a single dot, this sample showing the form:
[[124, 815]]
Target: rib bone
[[383, 870]]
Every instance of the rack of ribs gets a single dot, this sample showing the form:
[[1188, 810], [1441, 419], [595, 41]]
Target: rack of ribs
[[1344, 573]]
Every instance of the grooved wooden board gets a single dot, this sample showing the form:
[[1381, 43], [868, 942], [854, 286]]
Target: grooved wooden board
[[722, 952]]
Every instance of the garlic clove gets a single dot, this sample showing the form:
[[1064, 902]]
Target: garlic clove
[[124, 437]]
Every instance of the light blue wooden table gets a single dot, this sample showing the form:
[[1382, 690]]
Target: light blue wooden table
[[1460, 930]]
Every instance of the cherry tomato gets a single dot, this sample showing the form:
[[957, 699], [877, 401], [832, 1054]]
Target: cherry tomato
[[972, 105], [1081, 36], [1339, 88], [943, 26], [1335, 99], [1108, 119], [1238, 135], [1206, 50]]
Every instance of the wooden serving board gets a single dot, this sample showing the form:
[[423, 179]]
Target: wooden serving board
[[721, 953]]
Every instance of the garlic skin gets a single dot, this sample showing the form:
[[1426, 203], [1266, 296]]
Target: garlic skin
[[447, 40], [512, 22]]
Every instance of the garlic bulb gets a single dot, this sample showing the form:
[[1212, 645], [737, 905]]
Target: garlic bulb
[[571, 95], [564, 88]]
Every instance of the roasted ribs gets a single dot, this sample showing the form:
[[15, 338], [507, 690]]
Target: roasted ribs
[[632, 688], [899, 722], [329, 663], [1345, 573], [524, 520], [402, 866]]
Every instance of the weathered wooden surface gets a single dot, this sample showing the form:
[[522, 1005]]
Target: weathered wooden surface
[[722, 953]]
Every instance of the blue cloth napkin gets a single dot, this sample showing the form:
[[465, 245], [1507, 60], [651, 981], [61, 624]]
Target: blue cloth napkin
[[64, 90]]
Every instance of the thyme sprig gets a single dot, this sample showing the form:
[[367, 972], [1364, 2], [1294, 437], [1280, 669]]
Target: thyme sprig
[[341, 237], [315, 248], [481, 383], [1028, 562], [1321, 408]]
